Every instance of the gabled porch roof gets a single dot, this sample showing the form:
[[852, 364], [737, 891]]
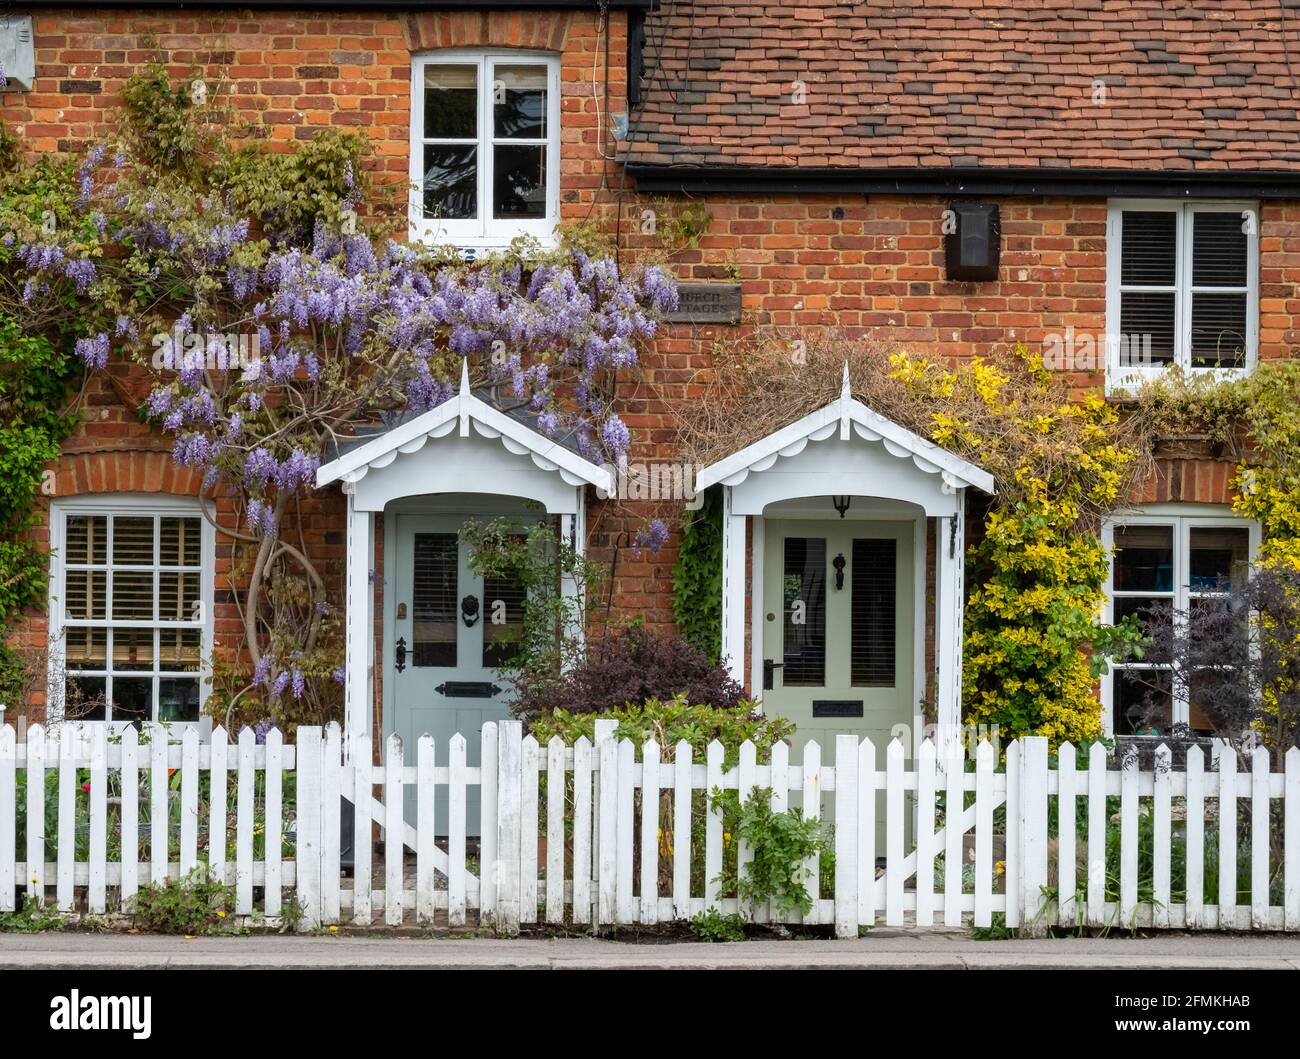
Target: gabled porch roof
[[848, 416], [459, 414]]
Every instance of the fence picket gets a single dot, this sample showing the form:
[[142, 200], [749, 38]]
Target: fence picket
[[394, 828], [955, 796], [487, 832], [425, 828], [846, 834], [812, 810], [8, 817], [1011, 861], [779, 783], [1259, 838], [650, 833], [1290, 840], [867, 844], [746, 778], [1096, 910], [606, 852], [509, 812], [97, 850], [158, 805], [129, 781], [66, 839], [925, 841], [683, 763], [35, 881], [894, 823], [362, 828], [331, 821], [1161, 810], [244, 793], [1227, 838], [582, 824], [456, 810], [984, 798], [625, 902], [189, 801], [528, 832], [1128, 843], [1067, 898], [556, 782], [217, 807], [273, 833], [1194, 902], [308, 762], [712, 826], [1033, 816]]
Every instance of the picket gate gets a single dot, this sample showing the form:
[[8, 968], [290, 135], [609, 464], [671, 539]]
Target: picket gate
[[607, 833]]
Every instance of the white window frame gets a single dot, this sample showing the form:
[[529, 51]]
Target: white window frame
[[1124, 378], [1183, 518], [131, 505], [484, 232]]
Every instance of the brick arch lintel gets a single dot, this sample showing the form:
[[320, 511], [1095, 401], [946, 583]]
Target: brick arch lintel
[[533, 30], [123, 471]]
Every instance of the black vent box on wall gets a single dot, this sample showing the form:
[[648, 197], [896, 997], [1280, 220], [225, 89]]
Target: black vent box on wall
[[972, 241]]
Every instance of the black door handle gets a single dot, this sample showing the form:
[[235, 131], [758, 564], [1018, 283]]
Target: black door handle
[[399, 654], [769, 673]]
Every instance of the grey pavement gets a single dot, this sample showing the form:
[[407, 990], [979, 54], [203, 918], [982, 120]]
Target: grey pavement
[[882, 949]]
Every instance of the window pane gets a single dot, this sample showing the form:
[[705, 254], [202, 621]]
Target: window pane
[[132, 541], [179, 544], [84, 592], [450, 182], [1149, 251], [178, 700], [804, 612], [1218, 250], [1146, 321], [1150, 613], [132, 595], [178, 650], [872, 620], [1143, 701], [85, 648], [1144, 558], [1217, 556], [1202, 713], [133, 649], [83, 698], [434, 600], [519, 181], [503, 619], [132, 700], [1218, 330], [450, 102], [519, 102], [86, 539], [178, 597]]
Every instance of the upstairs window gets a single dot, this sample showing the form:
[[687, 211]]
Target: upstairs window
[[485, 147], [1182, 289]]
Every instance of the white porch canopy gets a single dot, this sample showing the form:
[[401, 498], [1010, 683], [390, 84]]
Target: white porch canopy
[[847, 449], [465, 445]]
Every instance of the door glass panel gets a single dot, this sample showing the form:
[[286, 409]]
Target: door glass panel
[[804, 612], [1217, 556], [1144, 559], [503, 624], [872, 622], [433, 600]]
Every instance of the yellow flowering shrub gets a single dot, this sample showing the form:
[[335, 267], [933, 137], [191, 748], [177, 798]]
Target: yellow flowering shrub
[[1035, 579]]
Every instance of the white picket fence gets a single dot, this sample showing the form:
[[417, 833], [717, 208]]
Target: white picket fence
[[602, 833]]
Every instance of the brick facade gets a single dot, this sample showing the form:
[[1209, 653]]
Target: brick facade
[[870, 265]]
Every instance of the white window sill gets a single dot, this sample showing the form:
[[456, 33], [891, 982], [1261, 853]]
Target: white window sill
[[1125, 382]]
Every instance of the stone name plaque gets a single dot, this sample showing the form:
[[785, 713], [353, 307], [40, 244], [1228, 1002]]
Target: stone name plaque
[[707, 303]]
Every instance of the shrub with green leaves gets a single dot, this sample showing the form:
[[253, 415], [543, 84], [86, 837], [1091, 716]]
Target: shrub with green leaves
[[197, 904]]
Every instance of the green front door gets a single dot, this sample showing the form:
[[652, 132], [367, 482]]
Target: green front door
[[451, 634], [838, 628]]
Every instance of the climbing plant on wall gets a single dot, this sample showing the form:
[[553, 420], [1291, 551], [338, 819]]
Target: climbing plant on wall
[[697, 577]]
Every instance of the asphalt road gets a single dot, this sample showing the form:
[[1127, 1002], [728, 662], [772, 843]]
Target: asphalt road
[[881, 949]]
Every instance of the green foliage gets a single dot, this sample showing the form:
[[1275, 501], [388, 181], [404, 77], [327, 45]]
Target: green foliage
[[196, 904], [159, 119], [1179, 402], [32, 918], [780, 843], [667, 723], [712, 925], [697, 577]]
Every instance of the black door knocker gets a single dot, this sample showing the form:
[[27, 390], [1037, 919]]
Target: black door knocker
[[399, 654], [838, 563], [469, 611]]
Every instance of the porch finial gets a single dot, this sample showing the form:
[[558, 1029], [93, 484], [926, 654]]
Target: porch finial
[[464, 376], [845, 392], [846, 395]]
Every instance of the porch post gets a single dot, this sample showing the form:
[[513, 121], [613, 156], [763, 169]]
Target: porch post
[[733, 588], [359, 644], [573, 528], [950, 548]]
